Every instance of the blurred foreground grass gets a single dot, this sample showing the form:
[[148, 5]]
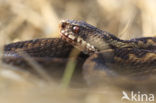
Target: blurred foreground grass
[[27, 19]]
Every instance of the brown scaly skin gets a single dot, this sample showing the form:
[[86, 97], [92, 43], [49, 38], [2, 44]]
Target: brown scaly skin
[[108, 54], [100, 40], [111, 55], [43, 51], [49, 47], [50, 53]]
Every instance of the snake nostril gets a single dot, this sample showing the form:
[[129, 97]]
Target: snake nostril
[[63, 25]]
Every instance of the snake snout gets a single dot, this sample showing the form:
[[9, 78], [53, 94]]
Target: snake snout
[[63, 24]]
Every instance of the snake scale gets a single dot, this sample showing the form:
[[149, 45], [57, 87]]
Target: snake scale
[[101, 53]]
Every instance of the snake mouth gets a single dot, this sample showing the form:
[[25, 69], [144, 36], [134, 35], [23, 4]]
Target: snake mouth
[[69, 38], [78, 42]]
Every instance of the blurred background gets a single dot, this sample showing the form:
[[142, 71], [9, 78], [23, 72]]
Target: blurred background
[[30, 19]]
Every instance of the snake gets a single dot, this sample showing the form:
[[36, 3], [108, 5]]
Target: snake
[[102, 54]]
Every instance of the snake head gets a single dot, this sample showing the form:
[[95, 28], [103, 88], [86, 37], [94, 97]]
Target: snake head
[[81, 35]]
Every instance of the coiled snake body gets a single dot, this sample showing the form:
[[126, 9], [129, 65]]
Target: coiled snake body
[[102, 54]]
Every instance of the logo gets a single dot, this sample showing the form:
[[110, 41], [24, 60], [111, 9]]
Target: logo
[[137, 96]]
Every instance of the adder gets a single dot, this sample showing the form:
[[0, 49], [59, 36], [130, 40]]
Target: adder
[[101, 53]]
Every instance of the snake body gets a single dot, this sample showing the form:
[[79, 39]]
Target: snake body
[[101, 52]]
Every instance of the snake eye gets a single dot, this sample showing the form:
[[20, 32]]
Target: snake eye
[[76, 29]]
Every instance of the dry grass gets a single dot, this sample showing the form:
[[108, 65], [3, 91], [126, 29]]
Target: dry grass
[[27, 19]]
